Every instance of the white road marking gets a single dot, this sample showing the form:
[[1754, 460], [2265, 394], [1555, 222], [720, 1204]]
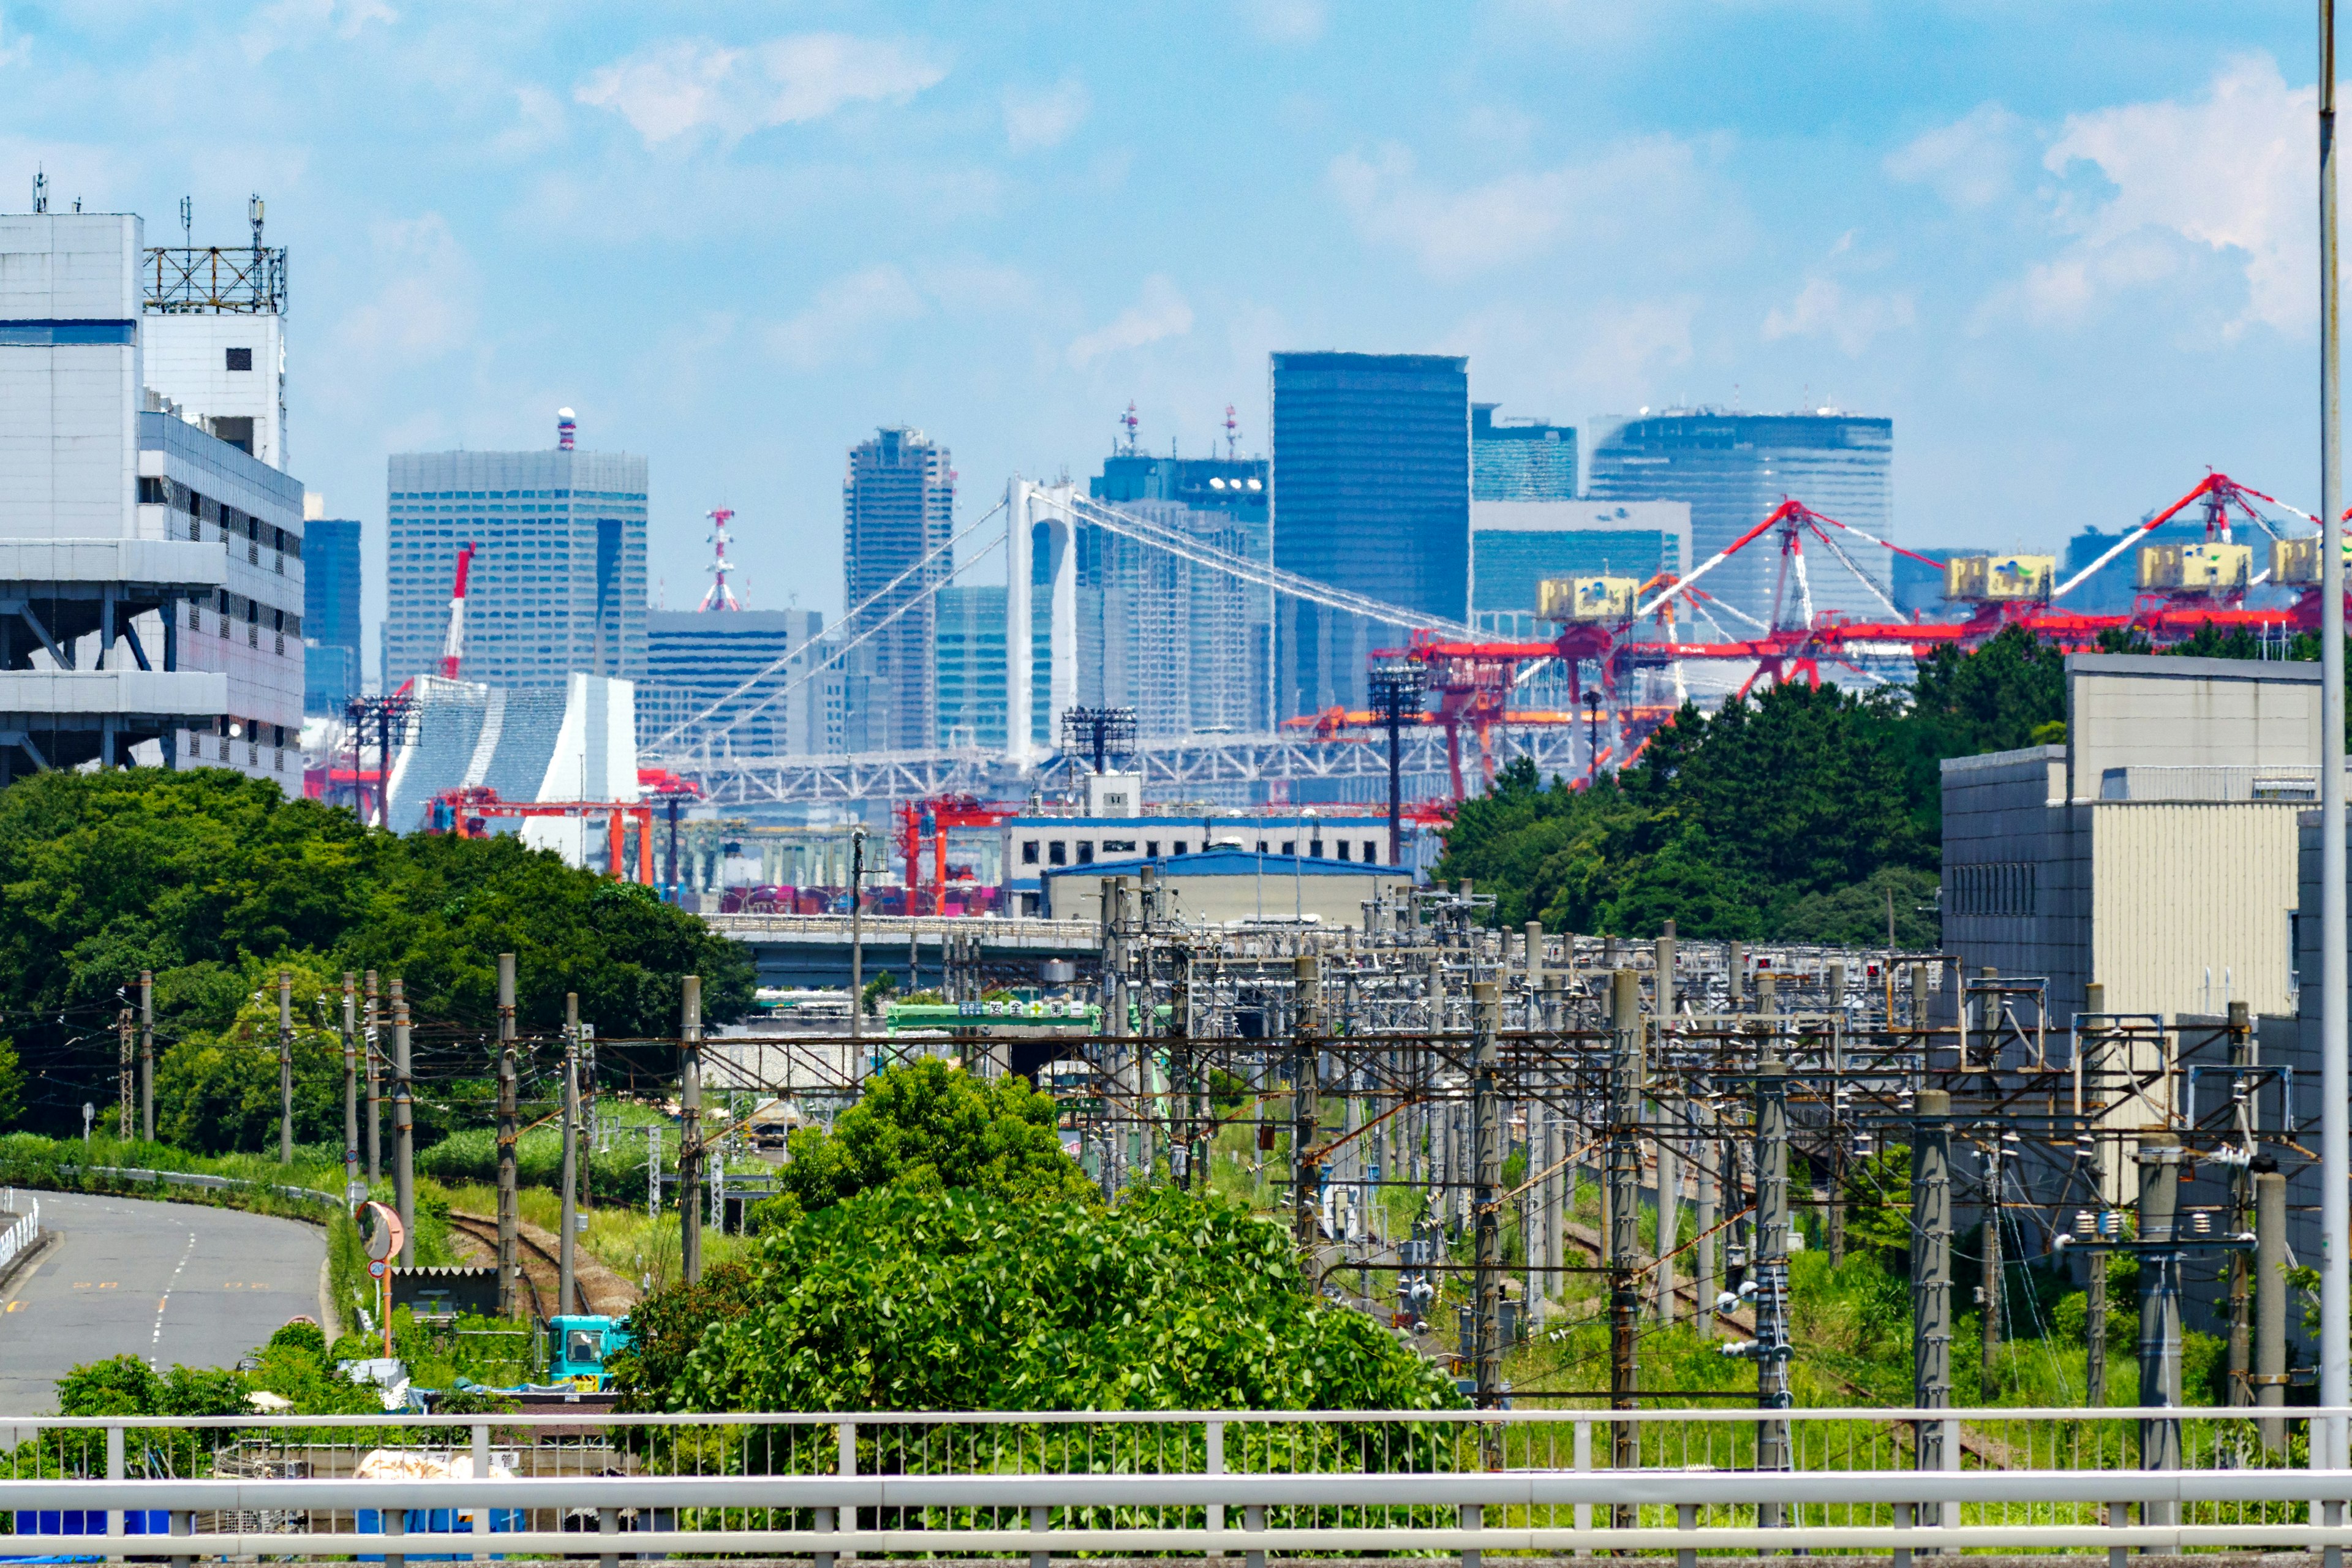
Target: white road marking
[[158, 1341]]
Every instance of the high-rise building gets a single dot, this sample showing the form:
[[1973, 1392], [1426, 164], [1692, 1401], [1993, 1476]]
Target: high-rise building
[[1371, 493], [1520, 459], [898, 505], [558, 580], [215, 338], [753, 665], [155, 569], [1734, 468], [1516, 546], [1189, 647], [330, 609]]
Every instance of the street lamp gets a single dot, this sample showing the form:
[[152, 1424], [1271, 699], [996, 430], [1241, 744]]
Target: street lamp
[[1591, 738]]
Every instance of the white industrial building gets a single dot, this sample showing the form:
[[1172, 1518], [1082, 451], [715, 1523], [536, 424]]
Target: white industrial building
[[151, 572], [573, 742]]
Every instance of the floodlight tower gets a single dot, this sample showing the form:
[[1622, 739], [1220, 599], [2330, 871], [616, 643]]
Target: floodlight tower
[[1396, 688]]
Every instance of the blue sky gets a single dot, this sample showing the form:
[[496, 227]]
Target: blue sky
[[2068, 246]]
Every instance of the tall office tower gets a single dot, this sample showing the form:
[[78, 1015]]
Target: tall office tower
[[972, 667], [330, 609], [898, 505], [1734, 468], [558, 580], [1520, 459], [155, 604], [1189, 647], [1371, 493], [750, 665]]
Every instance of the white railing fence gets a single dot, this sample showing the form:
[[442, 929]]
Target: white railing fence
[[22, 1232], [1231, 1482]]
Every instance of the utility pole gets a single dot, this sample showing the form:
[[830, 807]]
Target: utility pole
[[1664, 1115], [689, 1129], [565, 1276], [1305, 1024], [2242, 1205], [403, 1127], [1180, 1050], [126, 1071], [147, 1053], [1993, 1268], [1706, 1279], [1623, 1158], [352, 1190], [2093, 1047], [2335, 1083], [372, 1038], [1931, 1272], [1487, 1112], [856, 959], [510, 1212], [285, 1067], [1772, 1267], [2159, 1308], [2270, 1327]]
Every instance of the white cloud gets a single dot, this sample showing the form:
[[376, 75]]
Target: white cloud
[[286, 23], [1825, 306], [1034, 120], [1970, 163], [1285, 21], [2230, 172], [1161, 313], [847, 318], [538, 125], [688, 85], [1455, 234], [425, 308]]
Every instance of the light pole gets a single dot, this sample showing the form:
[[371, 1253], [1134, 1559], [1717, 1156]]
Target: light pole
[[2335, 1132], [1591, 738], [1396, 687]]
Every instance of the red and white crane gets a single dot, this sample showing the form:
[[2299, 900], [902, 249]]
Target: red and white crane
[[454, 645]]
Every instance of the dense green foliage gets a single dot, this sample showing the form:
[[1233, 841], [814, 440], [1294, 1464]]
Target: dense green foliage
[[930, 1124], [214, 880], [900, 1299], [1801, 812]]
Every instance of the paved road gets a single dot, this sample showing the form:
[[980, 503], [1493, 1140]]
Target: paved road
[[172, 1282]]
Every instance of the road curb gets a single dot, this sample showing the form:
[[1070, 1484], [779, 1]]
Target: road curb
[[22, 1264]]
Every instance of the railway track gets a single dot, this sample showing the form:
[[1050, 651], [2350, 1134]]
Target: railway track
[[537, 1260]]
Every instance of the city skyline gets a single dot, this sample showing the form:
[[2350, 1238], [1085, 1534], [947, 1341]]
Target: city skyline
[[738, 246]]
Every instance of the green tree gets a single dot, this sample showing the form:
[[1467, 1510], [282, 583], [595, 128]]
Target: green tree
[[905, 1299], [933, 1125], [12, 1083], [204, 876]]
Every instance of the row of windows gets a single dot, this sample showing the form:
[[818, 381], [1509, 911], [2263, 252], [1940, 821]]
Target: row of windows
[[229, 523], [1995, 888], [231, 611], [517, 495], [1057, 851]]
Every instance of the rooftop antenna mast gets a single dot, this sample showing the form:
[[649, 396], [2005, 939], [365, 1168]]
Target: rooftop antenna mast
[[253, 215], [188, 223], [1129, 424], [720, 597], [1233, 434], [40, 192]]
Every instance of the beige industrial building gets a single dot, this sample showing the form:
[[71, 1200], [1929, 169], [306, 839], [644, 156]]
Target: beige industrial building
[[2155, 851], [1236, 886]]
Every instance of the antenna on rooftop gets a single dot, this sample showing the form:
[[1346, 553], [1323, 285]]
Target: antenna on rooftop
[[1129, 424], [188, 222], [720, 597], [1233, 433], [40, 192], [253, 212]]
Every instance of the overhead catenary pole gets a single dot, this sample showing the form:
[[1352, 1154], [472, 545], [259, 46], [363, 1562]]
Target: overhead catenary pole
[[1931, 1269], [1305, 1024], [1994, 1271], [2269, 1304], [509, 1129], [2160, 1310], [1667, 1114], [352, 1188], [285, 1067], [1623, 1157], [147, 1054], [2336, 1082], [2093, 1048], [1487, 1112], [371, 1041], [1771, 1269], [127, 1071], [566, 1278], [403, 1127], [856, 951], [689, 1129]]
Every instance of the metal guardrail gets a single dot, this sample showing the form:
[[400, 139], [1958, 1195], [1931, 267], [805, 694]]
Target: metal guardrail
[[200, 1179], [881, 931], [1232, 1482], [23, 1233]]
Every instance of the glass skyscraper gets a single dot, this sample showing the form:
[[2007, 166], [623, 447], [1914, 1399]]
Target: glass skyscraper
[[898, 505], [1734, 468], [558, 583], [1520, 459], [1371, 493], [331, 613]]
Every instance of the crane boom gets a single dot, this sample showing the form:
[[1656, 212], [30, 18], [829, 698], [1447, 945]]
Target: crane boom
[[454, 645]]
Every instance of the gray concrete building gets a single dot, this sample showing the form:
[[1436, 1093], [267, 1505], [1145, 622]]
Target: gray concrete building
[[150, 571]]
